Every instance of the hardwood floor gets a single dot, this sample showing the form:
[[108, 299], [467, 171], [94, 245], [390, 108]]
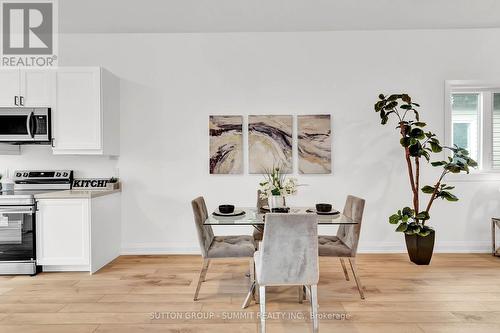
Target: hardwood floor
[[456, 293]]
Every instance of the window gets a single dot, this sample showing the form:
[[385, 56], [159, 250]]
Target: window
[[465, 116], [473, 121], [496, 131]]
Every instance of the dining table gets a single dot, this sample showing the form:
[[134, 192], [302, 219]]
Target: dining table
[[254, 217]]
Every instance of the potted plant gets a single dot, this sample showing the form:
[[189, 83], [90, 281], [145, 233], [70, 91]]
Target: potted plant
[[275, 187], [418, 144], [113, 184]]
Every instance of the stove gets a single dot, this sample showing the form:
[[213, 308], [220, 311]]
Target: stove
[[18, 217]]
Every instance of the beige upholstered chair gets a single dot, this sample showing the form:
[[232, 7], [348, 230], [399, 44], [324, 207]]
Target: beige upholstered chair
[[288, 256], [216, 247], [345, 244], [258, 232]]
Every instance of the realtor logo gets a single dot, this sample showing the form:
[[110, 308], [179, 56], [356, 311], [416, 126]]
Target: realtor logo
[[29, 36]]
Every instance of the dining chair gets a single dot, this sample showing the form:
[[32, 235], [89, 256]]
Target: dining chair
[[288, 257], [258, 231], [218, 247], [345, 243]]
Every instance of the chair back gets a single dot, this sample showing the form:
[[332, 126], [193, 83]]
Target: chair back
[[289, 250], [349, 233], [205, 232]]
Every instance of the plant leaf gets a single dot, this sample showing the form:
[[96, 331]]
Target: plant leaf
[[408, 211], [394, 219], [428, 189], [402, 227]]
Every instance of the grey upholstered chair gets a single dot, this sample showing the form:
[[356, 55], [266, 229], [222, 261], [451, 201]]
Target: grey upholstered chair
[[217, 247], [258, 232], [345, 244], [288, 256]]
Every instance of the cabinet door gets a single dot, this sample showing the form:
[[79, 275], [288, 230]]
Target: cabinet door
[[62, 232], [77, 114], [36, 87], [9, 87]]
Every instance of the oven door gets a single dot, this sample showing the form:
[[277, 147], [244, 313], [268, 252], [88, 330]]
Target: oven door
[[25, 125], [17, 233]]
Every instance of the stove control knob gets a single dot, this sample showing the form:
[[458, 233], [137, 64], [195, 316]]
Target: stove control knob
[[58, 174], [65, 174], [25, 174], [18, 174]]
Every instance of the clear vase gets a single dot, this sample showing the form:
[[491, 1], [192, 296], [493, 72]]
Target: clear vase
[[277, 203]]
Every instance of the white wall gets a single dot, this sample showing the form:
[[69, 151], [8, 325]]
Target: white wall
[[171, 83]]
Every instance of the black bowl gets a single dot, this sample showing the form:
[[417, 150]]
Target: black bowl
[[226, 209], [323, 207]]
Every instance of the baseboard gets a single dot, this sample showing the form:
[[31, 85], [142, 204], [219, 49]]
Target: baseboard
[[66, 268], [366, 247], [160, 248], [441, 247]]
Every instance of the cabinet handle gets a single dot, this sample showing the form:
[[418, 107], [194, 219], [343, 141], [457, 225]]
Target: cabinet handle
[[21, 99], [52, 143], [15, 101]]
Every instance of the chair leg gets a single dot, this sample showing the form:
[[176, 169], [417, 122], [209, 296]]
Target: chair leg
[[262, 295], [352, 262], [203, 274], [256, 293], [344, 269], [314, 307], [252, 270], [253, 278], [206, 270], [251, 293]]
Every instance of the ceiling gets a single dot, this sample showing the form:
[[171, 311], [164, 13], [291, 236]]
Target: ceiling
[[164, 16]]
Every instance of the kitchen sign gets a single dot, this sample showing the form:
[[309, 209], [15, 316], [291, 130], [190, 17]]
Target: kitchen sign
[[91, 183]]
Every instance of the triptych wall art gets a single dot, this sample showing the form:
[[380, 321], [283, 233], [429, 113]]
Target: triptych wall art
[[270, 142], [314, 144], [226, 144]]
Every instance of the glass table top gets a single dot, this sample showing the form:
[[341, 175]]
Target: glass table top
[[252, 217]]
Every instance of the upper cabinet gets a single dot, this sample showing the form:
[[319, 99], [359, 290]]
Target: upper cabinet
[[85, 114], [84, 103], [10, 87], [26, 87], [36, 87]]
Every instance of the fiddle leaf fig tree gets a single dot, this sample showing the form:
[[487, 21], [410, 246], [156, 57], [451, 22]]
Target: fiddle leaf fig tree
[[418, 146]]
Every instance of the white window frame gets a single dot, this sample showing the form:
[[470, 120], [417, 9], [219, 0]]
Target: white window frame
[[485, 126]]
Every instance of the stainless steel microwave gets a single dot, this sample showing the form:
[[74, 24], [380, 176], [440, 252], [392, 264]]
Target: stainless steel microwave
[[25, 125]]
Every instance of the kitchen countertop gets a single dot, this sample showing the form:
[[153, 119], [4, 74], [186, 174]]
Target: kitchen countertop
[[75, 194]]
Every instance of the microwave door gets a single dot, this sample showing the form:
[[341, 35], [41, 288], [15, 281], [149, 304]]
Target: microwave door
[[24, 125], [14, 125]]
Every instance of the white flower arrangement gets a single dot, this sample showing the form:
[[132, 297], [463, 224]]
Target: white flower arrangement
[[277, 183]]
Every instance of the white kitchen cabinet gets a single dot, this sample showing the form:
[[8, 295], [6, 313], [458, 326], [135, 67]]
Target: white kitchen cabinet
[[63, 232], [26, 87], [36, 87], [77, 230], [85, 111], [9, 87]]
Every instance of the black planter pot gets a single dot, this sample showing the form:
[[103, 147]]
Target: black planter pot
[[420, 248]]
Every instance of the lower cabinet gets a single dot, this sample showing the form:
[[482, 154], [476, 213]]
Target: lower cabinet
[[77, 234], [63, 232]]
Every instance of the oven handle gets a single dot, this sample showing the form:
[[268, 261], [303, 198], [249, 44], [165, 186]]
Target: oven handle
[[17, 209]]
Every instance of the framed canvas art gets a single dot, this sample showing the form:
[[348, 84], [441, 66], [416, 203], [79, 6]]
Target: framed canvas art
[[270, 143], [226, 144]]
